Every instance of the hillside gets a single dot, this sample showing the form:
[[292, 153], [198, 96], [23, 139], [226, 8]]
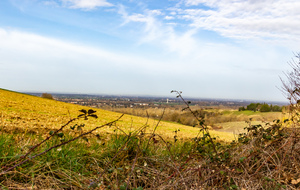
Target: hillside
[[26, 112], [264, 158]]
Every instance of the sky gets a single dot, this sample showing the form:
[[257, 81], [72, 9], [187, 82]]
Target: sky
[[227, 49]]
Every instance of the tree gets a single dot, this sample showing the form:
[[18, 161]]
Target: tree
[[48, 96], [277, 108], [291, 87], [242, 108], [265, 108], [253, 106]]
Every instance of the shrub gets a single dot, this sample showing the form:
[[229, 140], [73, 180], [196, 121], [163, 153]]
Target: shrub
[[265, 108], [253, 106], [242, 108], [277, 108], [47, 96]]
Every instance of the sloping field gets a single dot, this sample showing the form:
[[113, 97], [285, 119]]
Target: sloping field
[[237, 127], [30, 113], [239, 119]]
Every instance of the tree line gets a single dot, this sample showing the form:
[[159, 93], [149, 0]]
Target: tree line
[[261, 107]]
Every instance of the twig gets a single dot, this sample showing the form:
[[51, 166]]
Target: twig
[[272, 155], [201, 122], [153, 133], [132, 168]]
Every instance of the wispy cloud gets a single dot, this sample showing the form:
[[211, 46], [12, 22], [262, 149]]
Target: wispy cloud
[[161, 34], [264, 19], [86, 4], [168, 17], [152, 29]]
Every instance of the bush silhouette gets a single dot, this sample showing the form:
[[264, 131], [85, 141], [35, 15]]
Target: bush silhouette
[[48, 96]]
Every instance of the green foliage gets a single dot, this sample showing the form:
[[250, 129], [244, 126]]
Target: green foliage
[[265, 108], [242, 108], [276, 108], [262, 107], [253, 106]]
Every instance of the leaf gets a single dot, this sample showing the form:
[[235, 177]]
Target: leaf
[[51, 132], [60, 134], [73, 127], [91, 111], [93, 115], [80, 115], [242, 159], [83, 111]]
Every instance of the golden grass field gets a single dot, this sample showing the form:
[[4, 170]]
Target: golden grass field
[[30, 113]]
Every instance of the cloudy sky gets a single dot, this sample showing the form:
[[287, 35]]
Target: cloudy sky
[[231, 49]]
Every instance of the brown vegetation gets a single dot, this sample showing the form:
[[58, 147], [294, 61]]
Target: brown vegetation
[[212, 117], [48, 96]]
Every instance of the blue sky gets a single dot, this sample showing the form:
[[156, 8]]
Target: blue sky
[[230, 49]]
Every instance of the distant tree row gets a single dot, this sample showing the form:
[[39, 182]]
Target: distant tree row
[[261, 107]]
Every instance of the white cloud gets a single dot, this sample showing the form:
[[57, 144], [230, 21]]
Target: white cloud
[[263, 19], [266, 21], [153, 28], [31, 51], [86, 4], [155, 12], [169, 17], [184, 44], [38, 46], [34, 62], [155, 32]]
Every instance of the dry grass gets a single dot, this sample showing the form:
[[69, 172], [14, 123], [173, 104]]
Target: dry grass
[[258, 164], [213, 117]]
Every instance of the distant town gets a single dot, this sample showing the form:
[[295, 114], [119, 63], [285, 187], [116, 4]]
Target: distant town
[[112, 101]]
